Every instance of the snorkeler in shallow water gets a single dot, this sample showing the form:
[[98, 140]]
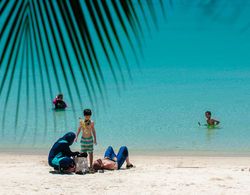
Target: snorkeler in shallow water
[[210, 122], [59, 103]]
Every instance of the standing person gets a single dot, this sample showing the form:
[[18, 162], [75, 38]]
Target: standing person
[[111, 161], [60, 155], [59, 103], [88, 138]]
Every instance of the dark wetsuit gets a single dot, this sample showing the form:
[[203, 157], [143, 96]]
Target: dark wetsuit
[[59, 104], [60, 153]]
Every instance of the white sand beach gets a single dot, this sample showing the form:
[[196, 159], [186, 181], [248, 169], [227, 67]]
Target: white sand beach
[[30, 174]]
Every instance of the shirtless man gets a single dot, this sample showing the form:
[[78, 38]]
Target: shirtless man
[[210, 121], [111, 161]]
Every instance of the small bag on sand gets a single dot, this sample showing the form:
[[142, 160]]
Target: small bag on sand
[[81, 165]]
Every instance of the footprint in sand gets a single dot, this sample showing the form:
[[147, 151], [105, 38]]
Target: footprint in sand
[[190, 184], [216, 179], [229, 178]]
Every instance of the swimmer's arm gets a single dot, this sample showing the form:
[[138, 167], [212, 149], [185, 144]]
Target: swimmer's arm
[[94, 133], [202, 124], [54, 101], [216, 122]]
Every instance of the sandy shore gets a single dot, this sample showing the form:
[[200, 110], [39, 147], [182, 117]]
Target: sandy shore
[[29, 174]]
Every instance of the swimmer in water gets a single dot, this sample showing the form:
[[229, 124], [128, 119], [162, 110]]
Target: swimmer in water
[[59, 103], [210, 122]]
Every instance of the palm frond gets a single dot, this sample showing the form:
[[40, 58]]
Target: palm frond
[[49, 47]]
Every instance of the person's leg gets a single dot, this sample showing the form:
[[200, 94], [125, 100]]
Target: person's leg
[[129, 164], [90, 159], [66, 163], [122, 156], [83, 148], [87, 146], [55, 163], [109, 153]]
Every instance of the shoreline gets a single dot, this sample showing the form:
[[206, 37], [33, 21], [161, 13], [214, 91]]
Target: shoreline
[[174, 153]]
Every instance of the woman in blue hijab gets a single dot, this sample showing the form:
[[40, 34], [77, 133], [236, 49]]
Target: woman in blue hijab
[[60, 155]]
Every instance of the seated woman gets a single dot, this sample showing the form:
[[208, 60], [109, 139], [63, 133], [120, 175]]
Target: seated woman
[[60, 155], [111, 161], [59, 103]]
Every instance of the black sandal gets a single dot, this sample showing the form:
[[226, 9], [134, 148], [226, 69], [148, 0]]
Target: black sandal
[[129, 166]]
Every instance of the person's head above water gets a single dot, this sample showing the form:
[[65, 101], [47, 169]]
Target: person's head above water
[[69, 137], [208, 114], [60, 96], [87, 114]]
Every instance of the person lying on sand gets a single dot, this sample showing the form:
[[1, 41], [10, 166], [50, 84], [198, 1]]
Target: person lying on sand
[[111, 161]]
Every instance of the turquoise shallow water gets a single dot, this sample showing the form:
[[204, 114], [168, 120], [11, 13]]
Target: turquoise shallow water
[[195, 62]]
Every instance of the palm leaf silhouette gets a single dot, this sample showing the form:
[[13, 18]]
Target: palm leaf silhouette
[[35, 62]]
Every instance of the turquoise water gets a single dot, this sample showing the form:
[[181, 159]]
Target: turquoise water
[[197, 61]]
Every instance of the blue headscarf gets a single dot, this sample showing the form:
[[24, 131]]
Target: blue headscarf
[[69, 137]]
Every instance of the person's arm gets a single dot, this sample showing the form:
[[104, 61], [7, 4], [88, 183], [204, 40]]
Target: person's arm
[[68, 152], [94, 132], [201, 124], [64, 104], [54, 101], [77, 133], [216, 122]]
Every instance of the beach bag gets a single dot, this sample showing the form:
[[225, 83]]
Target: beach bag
[[81, 165]]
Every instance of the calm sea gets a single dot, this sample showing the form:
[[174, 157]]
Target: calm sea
[[198, 60]]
